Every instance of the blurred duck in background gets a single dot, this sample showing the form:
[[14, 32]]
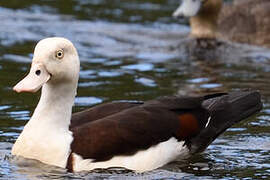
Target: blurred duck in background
[[217, 29], [243, 21], [203, 16]]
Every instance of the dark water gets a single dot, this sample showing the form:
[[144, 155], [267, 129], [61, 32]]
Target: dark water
[[126, 53]]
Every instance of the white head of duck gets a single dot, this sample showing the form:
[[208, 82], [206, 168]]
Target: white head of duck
[[55, 61], [203, 16]]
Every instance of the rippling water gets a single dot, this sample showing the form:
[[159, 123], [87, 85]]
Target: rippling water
[[127, 51]]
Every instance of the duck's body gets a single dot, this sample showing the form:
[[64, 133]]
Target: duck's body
[[246, 21], [138, 136]]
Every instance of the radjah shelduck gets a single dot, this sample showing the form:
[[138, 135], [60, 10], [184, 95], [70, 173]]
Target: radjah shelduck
[[138, 136]]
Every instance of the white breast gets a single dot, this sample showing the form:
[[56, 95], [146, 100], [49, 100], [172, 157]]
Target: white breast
[[146, 160], [44, 144]]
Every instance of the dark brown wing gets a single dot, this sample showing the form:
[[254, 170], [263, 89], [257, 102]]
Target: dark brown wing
[[139, 127], [100, 111], [225, 111]]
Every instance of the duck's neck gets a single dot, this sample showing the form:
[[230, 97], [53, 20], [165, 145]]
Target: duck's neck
[[55, 106], [46, 137], [204, 25]]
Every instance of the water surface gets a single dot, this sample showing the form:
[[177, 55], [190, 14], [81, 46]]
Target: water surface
[[127, 51]]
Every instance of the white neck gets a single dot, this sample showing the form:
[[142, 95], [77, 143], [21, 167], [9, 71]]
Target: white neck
[[46, 137], [55, 105]]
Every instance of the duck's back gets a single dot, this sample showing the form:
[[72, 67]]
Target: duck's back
[[246, 21]]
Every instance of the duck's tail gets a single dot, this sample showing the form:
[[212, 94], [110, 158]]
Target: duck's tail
[[225, 110]]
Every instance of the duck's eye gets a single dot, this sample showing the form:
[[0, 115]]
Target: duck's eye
[[38, 72], [59, 54]]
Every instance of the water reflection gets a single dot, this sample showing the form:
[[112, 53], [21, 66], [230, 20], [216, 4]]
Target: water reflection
[[87, 101], [146, 82], [139, 67]]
